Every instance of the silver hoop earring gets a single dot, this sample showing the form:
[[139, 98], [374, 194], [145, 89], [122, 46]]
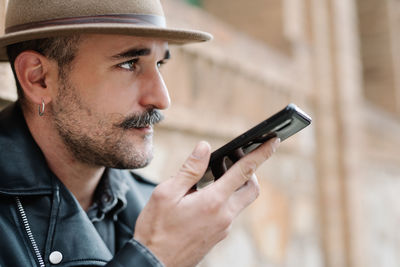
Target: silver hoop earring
[[41, 108]]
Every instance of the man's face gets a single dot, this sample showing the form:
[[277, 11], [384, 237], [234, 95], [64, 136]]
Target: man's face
[[109, 99]]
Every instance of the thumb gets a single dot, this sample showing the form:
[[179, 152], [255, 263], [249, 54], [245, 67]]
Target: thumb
[[193, 169]]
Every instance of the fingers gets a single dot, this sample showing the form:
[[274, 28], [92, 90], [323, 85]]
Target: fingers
[[192, 170], [244, 196], [243, 170]]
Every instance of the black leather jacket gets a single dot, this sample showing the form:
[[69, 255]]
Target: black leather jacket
[[42, 224]]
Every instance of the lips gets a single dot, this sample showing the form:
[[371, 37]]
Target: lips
[[147, 129]]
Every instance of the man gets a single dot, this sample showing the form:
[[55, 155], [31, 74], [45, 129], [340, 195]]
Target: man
[[90, 92]]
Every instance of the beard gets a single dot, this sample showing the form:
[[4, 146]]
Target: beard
[[102, 140]]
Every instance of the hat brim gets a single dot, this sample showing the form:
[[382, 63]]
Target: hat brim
[[171, 35]]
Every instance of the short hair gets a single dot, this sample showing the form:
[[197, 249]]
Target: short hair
[[61, 49]]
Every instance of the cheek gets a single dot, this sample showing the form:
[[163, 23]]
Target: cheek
[[108, 89], [122, 92], [108, 93]]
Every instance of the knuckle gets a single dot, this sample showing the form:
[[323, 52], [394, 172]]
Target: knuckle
[[190, 168], [214, 205], [253, 191], [247, 170], [160, 194], [225, 222]]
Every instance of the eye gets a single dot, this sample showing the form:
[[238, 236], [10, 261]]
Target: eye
[[160, 63], [130, 65]]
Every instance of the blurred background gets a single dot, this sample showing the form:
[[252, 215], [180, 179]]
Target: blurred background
[[329, 196]]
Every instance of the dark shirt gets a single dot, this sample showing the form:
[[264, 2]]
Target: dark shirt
[[109, 201]]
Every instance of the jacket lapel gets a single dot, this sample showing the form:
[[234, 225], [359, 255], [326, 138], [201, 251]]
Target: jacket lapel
[[75, 236]]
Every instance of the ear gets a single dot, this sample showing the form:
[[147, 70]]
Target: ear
[[35, 75]]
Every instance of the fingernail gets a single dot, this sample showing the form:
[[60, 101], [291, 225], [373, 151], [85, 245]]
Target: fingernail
[[201, 150], [276, 144]]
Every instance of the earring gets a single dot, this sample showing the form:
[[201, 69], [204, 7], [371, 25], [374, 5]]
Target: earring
[[41, 108]]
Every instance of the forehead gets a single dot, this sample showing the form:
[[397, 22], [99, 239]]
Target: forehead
[[110, 45]]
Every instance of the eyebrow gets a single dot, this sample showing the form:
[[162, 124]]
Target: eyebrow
[[167, 54], [131, 53]]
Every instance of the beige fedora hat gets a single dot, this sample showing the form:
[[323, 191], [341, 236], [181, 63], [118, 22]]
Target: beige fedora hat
[[35, 19]]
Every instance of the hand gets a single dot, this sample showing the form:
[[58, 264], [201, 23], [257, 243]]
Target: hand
[[181, 227]]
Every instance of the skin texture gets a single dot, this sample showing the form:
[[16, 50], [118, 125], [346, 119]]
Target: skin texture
[[99, 92], [99, 108], [181, 228]]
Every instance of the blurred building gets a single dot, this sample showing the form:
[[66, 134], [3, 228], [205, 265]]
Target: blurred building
[[329, 195]]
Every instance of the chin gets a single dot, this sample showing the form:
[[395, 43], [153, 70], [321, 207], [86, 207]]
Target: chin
[[140, 156], [131, 163]]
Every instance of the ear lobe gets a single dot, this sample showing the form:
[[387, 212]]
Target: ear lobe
[[31, 71]]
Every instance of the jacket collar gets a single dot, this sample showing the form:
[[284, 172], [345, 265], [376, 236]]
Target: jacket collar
[[23, 169], [110, 195]]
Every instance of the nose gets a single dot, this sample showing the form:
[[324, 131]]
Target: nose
[[155, 93]]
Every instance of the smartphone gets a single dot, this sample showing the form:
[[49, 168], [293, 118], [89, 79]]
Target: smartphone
[[283, 124]]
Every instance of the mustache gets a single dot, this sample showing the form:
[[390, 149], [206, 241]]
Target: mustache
[[141, 120]]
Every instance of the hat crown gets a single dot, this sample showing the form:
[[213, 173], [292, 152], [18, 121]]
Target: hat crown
[[37, 19], [21, 12]]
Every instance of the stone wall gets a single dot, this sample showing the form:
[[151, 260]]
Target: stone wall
[[7, 92], [225, 87]]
